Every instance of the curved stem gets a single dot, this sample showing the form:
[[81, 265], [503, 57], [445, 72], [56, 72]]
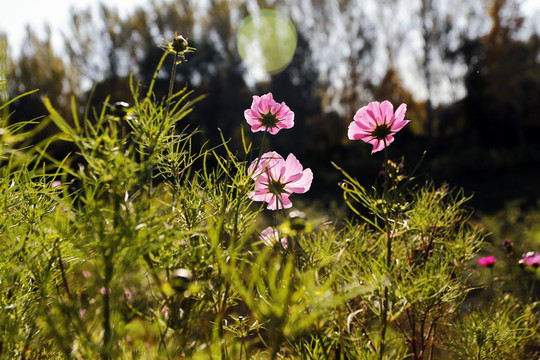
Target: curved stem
[[151, 87]]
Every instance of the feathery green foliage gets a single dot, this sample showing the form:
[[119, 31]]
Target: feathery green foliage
[[141, 245]]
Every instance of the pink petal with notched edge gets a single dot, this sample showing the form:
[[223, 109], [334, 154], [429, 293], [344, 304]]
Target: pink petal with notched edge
[[374, 112], [356, 132], [400, 121], [279, 202], [377, 146], [292, 166], [263, 105], [286, 116], [387, 112], [267, 160], [400, 113], [302, 184]]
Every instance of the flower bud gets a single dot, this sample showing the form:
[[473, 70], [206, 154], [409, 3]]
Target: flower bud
[[179, 44], [180, 279], [298, 220], [120, 109]]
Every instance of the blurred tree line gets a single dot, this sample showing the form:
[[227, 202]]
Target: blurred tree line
[[468, 71]]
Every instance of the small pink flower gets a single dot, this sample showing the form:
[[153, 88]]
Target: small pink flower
[[377, 123], [165, 312], [267, 115], [55, 184], [128, 294], [488, 261], [276, 179], [531, 259], [270, 237], [102, 291]]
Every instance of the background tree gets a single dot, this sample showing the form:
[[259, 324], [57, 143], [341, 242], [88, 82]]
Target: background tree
[[448, 60], [502, 80]]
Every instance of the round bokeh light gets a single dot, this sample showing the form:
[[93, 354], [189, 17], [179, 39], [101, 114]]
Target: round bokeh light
[[267, 40]]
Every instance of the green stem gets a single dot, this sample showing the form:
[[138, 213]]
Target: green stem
[[151, 87], [385, 306], [261, 149], [386, 177], [171, 84], [531, 292], [105, 354]]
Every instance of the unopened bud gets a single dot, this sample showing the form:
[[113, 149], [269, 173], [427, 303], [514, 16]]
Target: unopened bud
[[181, 279], [298, 220], [179, 44], [120, 109]]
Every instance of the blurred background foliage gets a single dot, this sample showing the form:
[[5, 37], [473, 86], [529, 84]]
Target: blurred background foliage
[[469, 72]]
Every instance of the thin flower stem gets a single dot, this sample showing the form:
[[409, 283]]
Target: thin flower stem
[[261, 150], [105, 354], [171, 84], [531, 292], [386, 177], [63, 271], [388, 260]]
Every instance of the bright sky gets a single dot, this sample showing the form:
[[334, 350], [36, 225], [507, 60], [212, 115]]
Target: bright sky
[[16, 14]]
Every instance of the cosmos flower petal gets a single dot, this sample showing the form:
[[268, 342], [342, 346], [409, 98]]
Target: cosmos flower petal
[[399, 125], [257, 196], [400, 113], [387, 112], [255, 103], [374, 112], [265, 103], [292, 166], [302, 184], [356, 132], [270, 236], [267, 161], [381, 144], [286, 116], [280, 202]]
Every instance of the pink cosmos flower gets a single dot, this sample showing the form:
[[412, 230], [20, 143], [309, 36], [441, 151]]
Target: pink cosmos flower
[[128, 294], [270, 237], [276, 179], [55, 184], [377, 123], [488, 261], [531, 259], [102, 291], [267, 115]]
